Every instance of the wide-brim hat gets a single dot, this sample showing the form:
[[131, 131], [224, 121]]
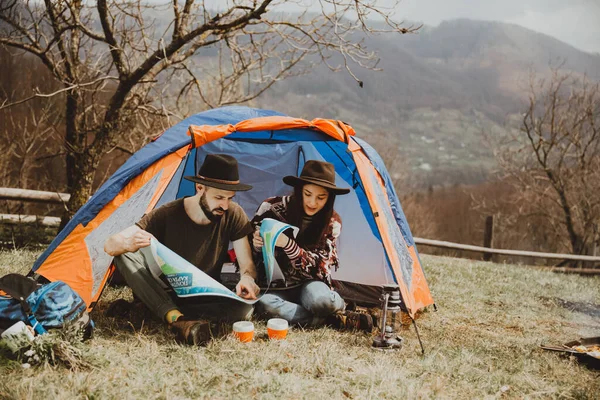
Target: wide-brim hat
[[319, 173], [220, 171]]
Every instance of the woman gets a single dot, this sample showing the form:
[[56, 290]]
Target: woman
[[308, 260]]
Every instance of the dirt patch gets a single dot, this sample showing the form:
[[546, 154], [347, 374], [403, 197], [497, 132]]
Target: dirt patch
[[591, 309]]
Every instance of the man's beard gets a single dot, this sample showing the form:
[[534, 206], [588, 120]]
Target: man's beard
[[207, 211]]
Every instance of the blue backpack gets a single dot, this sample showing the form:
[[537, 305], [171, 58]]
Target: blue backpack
[[43, 306]]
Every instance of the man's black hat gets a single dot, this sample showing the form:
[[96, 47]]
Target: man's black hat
[[221, 172]]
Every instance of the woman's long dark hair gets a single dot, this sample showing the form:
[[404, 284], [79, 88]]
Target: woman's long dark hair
[[317, 228]]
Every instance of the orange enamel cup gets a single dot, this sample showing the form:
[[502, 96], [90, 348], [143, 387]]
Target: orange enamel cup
[[277, 328], [244, 331]]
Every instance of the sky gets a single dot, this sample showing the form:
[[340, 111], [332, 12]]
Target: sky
[[576, 22]]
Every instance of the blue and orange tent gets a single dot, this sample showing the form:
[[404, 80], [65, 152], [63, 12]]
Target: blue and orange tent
[[376, 246]]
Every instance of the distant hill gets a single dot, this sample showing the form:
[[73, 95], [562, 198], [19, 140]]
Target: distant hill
[[438, 91], [441, 91]]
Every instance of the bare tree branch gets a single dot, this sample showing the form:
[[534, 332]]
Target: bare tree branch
[[121, 63], [555, 165], [5, 103]]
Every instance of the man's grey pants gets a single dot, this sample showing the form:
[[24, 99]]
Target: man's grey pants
[[149, 290]]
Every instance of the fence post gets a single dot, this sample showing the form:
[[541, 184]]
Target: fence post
[[488, 236]]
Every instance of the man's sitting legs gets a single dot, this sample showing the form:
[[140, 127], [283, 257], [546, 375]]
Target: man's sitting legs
[[133, 268]]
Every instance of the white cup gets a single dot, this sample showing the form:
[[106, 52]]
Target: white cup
[[244, 331], [15, 332], [18, 329], [277, 328]]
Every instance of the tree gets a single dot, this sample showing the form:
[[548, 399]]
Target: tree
[[554, 160], [23, 162], [120, 61]]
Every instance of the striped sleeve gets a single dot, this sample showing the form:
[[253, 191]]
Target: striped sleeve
[[320, 261], [292, 249]]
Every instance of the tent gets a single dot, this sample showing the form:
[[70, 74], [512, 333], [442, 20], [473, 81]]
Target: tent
[[376, 246]]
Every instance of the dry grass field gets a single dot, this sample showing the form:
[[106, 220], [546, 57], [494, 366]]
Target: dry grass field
[[483, 342]]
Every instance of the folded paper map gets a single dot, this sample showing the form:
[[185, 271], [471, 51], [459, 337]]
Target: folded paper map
[[270, 229], [187, 280]]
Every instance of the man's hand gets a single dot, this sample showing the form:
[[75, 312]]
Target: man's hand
[[129, 240], [247, 288], [136, 241]]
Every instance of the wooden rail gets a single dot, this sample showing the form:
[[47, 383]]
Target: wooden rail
[[33, 195], [523, 253], [29, 219]]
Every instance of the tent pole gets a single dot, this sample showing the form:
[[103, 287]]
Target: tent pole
[[418, 336]]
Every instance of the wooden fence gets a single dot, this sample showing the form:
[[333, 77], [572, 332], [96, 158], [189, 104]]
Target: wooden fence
[[29, 219], [33, 195], [489, 250]]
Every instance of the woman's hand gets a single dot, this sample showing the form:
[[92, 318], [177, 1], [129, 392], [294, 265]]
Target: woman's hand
[[258, 243], [257, 240]]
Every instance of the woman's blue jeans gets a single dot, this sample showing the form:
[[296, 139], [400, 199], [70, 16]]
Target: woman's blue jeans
[[306, 305]]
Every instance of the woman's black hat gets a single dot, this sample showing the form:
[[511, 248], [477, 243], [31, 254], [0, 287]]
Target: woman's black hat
[[320, 173]]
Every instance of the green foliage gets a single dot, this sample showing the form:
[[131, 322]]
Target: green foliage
[[59, 347], [25, 236]]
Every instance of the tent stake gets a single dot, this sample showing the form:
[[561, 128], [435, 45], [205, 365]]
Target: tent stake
[[418, 336]]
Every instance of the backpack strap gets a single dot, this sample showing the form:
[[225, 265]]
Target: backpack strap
[[20, 287]]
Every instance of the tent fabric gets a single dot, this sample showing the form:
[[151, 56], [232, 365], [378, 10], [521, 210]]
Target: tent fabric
[[80, 261], [344, 164], [263, 165], [414, 276], [268, 145], [389, 186], [208, 133]]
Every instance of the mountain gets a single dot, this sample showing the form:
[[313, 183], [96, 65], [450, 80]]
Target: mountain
[[441, 92]]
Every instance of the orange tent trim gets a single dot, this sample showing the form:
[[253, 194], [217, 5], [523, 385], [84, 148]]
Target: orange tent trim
[[207, 133], [418, 295]]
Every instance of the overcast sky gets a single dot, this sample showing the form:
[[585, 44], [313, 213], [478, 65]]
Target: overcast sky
[[576, 22]]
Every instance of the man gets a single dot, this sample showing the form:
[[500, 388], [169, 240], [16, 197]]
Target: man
[[199, 229]]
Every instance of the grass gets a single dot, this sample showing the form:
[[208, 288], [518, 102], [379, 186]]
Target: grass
[[481, 343]]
